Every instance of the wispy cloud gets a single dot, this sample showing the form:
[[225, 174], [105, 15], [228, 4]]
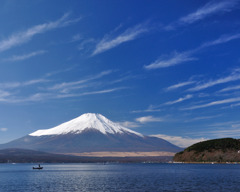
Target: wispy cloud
[[52, 73], [232, 88], [13, 85], [180, 141], [209, 9], [86, 93], [234, 76], [179, 58], [25, 56], [66, 86], [179, 100], [179, 85], [148, 119], [9, 90], [222, 129], [235, 105], [15, 92], [84, 45], [3, 129], [110, 42], [223, 39], [77, 37], [225, 124], [146, 111], [102, 91], [174, 59], [225, 133], [4, 93], [129, 124], [151, 108], [202, 118], [48, 96], [25, 36], [213, 103]]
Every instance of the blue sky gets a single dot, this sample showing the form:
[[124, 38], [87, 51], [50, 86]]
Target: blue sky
[[158, 67]]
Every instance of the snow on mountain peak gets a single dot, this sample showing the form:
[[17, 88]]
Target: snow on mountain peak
[[83, 122]]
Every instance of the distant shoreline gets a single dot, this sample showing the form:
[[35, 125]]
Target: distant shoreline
[[122, 154], [205, 162]]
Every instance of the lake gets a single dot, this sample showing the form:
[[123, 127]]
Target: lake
[[120, 177]]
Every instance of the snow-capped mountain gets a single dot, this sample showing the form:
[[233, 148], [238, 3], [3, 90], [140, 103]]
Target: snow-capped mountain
[[84, 122], [90, 133]]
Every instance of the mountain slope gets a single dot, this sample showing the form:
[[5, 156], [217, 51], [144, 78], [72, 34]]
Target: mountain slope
[[90, 133]]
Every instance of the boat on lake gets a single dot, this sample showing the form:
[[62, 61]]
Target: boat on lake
[[39, 167]]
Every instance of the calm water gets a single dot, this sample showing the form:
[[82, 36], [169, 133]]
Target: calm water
[[120, 177]]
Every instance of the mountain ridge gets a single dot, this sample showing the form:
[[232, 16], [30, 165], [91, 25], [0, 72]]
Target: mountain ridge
[[90, 133], [87, 120]]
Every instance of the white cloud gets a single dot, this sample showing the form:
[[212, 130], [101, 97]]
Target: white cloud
[[66, 86], [235, 105], [25, 36], [202, 118], [179, 100], [86, 93], [179, 58], [146, 111], [208, 9], [129, 124], [211, 8], [151, 108], [84, 45], [225, 133], [234, 76], [225, 124], [175, 59], [102, 91], [77, 37], [25, 56], [4, 93], [46, 96], [3, 129], [12, 85], [223, 130], [130, 34], [57, 91], [180, 141], [220, 102], [179, 85], [232, 88], [221, 40], [148, 119]]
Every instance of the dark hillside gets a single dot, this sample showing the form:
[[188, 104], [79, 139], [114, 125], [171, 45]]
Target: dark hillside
[[216, 144], [216, 150]]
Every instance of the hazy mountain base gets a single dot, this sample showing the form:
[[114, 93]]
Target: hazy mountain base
[[124, 154], [92, 140], [31, 156]]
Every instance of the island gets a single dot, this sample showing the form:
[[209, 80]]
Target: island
[[217, 150]]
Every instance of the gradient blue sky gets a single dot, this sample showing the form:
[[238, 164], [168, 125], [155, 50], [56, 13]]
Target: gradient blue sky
[[159, 67]]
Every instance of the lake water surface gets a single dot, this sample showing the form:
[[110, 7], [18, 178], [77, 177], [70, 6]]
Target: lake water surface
[[120, 177]]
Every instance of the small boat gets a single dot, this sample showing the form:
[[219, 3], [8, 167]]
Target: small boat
[[39, 167]]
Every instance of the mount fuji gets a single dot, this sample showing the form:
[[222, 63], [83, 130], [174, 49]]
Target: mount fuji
[[90, 132]]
